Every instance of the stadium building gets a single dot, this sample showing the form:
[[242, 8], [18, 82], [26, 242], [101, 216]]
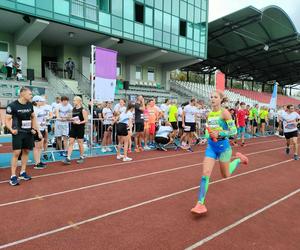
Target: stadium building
[[152, 38]]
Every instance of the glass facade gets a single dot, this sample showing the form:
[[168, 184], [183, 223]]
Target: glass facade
[[160, 27]]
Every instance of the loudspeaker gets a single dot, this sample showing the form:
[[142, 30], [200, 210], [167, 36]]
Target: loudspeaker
[[126, 85], [30, 74]]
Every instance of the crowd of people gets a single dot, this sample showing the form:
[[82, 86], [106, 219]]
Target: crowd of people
[[138, 126]]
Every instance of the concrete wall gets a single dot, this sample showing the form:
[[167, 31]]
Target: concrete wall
[[35, 57], [9, 38]]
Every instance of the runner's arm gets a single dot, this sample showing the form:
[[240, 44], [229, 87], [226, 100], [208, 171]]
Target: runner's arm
[[231, 125]]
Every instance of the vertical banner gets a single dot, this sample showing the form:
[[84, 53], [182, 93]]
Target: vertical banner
[[273, 101], [220, 80], [105, 74]]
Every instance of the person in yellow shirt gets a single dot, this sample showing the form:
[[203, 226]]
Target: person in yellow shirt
[[173, 116], [263, 116]]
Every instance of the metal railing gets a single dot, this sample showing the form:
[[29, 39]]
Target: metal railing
[[58, 86], [85, 10]]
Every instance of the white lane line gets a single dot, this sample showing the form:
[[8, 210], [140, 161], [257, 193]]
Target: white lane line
[[98, 185], [248, 217], [60, 229], [130, 162], [116, 181]]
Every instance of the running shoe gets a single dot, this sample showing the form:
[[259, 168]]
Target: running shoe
[[43, 163], [137, 150], [243, 144], [244, 159], [127, 159], [287, 151], [24, 176], [141, 149], [199, 209], [103, 150], [108, 149], [190, 149], [147, 148], [39, 166], [14, 181], [45, 156], [67, 161], [81, 160], [119, 157], [296, 157]]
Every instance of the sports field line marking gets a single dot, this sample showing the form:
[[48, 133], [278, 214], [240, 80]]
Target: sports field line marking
[[40, 197], [130, 162], [60, 229], [248, 217]]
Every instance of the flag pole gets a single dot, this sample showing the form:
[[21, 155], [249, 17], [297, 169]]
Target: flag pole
[[93, 61]]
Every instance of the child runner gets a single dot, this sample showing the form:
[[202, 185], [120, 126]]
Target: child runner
[[241, 122], [221, 127], [290, 121]]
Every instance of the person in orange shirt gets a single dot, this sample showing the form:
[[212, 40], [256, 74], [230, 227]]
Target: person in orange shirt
[[154, 114]]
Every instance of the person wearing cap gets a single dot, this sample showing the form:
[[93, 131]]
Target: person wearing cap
[[42, 114]]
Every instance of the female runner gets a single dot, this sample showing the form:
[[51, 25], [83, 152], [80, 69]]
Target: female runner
[[220, 128]]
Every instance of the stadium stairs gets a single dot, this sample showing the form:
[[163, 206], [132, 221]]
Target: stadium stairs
[[264, 97]]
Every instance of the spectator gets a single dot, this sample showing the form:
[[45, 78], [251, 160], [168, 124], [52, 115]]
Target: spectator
[[165, 109], [139, 122], [9, 66], [70, 66], [108, 120], [63, 116], [18, 66]]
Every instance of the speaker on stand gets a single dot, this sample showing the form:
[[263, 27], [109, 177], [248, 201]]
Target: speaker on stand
[[126, 87], [30, 75]]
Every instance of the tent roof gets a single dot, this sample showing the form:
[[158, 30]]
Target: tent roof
[[262, 45]]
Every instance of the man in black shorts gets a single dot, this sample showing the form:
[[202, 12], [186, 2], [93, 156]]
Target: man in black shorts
[[290, 121], [139, 122], [20, 120], [189, 122]]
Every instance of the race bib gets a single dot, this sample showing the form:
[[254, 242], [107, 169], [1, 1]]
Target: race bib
[[76, 119], [26, 124], [290, 126], [187, 128]]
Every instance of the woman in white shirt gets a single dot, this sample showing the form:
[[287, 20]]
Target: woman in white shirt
[[108, 121], [9, 65], [124, 131]]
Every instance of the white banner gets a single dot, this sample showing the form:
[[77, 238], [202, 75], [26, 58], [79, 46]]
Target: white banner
[[104, 89]]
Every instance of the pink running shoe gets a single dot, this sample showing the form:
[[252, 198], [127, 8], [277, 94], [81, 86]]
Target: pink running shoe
[[199, 209], [244, 159]]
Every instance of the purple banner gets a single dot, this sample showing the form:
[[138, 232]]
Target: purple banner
[[106, 63]]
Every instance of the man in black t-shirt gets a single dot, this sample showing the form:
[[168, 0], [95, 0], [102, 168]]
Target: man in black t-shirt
[[139, 122], [20, 120]]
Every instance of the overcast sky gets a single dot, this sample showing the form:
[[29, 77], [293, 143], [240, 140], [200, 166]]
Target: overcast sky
[[219, 8]]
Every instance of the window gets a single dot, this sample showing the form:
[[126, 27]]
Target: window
[[3, 51], [104, 5], [182, 28], [139, 13], [151, 74], [138, 73], [149, 16], [119, 67], [116, 7]]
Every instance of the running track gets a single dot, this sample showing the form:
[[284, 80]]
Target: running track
[[145, 204]]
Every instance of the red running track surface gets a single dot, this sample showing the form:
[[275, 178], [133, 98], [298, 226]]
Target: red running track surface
[[137, 205]]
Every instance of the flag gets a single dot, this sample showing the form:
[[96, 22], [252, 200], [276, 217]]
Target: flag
[[105, 74], [273, 101], [220, 80]]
